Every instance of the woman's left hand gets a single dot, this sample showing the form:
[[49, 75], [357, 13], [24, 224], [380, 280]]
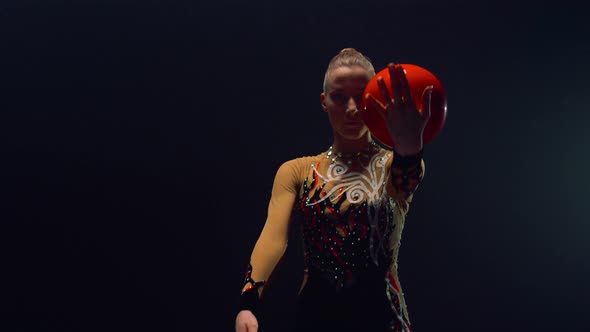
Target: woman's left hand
[[405, 122]]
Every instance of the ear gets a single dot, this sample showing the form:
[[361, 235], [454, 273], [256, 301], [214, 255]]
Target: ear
[[323, 101]]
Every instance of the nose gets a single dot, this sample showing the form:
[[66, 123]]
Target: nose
[[352, 106]]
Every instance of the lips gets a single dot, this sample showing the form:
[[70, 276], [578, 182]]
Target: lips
[[355, 123]]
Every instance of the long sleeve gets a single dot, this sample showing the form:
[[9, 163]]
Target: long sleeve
[[399, 303], [272, 242], [406, 173]]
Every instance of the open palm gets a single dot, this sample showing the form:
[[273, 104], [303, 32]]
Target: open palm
[[405, 123]]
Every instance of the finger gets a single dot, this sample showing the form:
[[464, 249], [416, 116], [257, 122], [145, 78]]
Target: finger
[[405, 86], [384, 92], [395, 83], [376, 104], [427, 102]]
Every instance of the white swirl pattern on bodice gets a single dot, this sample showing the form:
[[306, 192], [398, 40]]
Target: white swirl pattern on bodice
[[368, 185]]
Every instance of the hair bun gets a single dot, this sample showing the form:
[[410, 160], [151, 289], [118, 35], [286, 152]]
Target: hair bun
[[348, 49]]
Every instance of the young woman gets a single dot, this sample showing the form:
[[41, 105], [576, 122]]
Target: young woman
[[351, 201]]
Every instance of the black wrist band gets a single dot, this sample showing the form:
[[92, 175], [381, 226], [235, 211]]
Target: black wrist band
[[406, 161], [249, 298]]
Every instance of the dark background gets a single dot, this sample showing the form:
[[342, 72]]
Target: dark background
[[140, 140]]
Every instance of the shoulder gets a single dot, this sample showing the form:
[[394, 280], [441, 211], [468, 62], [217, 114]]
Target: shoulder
[[304, 162], [388, 156], [296, 169]]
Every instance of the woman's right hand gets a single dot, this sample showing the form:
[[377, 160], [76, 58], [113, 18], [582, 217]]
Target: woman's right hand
[[246, 322]]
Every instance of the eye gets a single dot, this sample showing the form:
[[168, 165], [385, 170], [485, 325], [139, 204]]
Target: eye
[[339, 98], [358, 99]]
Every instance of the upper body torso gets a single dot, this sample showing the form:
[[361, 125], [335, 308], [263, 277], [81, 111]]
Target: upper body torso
[[351, 214]]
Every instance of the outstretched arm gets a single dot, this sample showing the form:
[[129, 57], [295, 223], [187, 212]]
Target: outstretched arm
[[405, 124]]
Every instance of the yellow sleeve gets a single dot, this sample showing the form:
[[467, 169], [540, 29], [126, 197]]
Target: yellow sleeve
[[272, 242]]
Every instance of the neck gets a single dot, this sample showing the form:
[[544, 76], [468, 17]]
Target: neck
[[344, 145]]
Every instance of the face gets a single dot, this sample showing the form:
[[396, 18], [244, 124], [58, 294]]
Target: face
[[342, 101]]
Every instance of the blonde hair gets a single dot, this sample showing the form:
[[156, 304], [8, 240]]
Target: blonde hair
[[348, 57]]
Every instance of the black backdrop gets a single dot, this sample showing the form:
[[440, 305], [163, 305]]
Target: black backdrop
[[140, 140]]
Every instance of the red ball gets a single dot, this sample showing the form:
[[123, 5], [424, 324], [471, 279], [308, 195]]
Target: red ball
[[418, 79]]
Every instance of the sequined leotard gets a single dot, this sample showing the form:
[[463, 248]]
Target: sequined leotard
[[351, 215]]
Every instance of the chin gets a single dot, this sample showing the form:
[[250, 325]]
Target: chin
[[354, 134]]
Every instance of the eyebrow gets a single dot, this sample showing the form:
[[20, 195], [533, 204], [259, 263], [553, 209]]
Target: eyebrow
[[342, 89]]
